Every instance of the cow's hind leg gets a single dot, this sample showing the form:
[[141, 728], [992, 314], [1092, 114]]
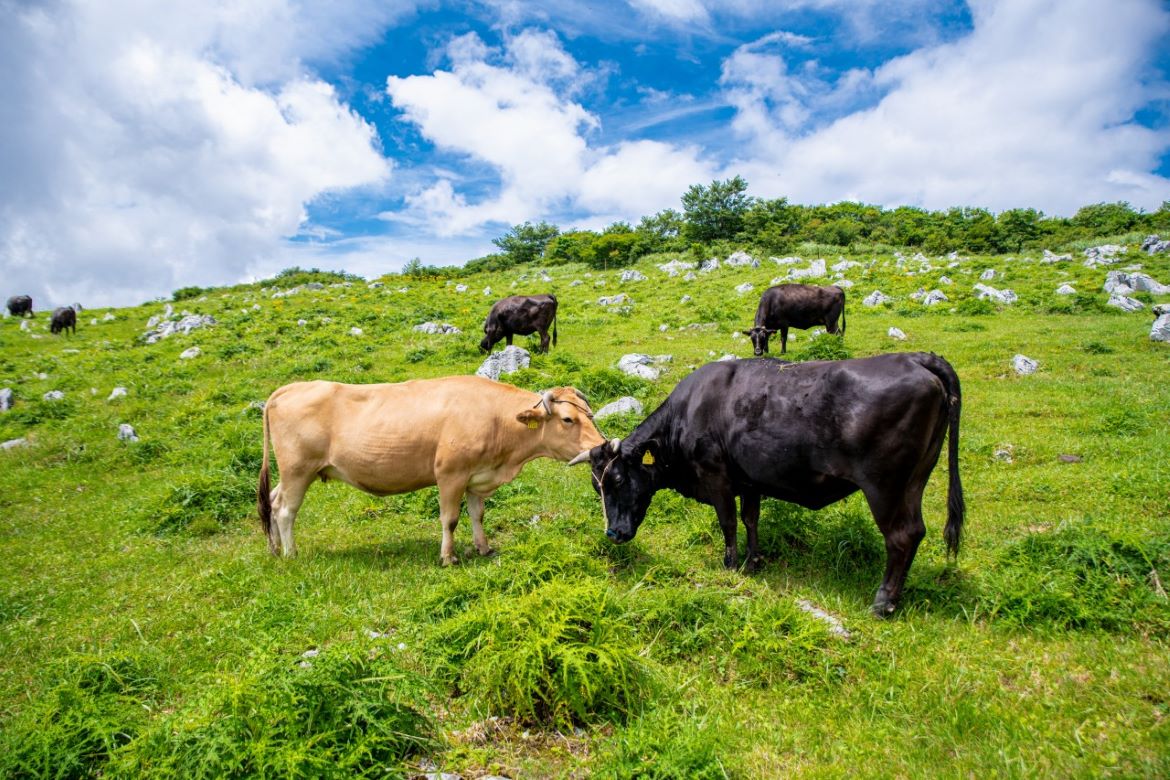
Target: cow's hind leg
[[475, 505], [725, 511], [783, 339], [286, 502], [450, 503], [899, 517], [749, 510], [544, 339]]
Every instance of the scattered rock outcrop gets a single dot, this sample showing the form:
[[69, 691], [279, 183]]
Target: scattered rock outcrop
[[508, 360]]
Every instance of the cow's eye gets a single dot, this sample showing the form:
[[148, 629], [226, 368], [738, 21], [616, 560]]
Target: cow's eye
[[567, 420]]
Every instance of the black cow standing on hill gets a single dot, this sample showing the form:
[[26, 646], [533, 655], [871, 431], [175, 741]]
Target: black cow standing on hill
[[521, 315], [20, 305], [796, 306], [809, 433], [64, 318]]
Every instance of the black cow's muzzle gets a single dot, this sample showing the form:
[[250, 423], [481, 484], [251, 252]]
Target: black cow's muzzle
[[759, 352], [617, 537]]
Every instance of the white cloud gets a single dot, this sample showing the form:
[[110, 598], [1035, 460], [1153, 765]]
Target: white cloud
[[141, 155], [673, 10], [1033, 108], [510, 109]]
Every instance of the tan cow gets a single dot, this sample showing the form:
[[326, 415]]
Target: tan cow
[[466, 434]]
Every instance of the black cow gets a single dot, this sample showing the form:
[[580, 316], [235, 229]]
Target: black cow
[[20, 305], [64, 318], [810, 433], [520, 315], [796, 306]]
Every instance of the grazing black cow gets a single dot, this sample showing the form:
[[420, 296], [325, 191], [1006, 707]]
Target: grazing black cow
[[520, 315], [810, 433], [64, 318], [796, 306], [20, 305]]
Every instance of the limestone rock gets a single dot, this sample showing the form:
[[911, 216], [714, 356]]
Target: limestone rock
[[624, 405], [876, 298], [508, 360], [117, 392], [1125, 303], [126, 432], [746, 287], [675, 267], [709, 265], [989, 275], [188, 354], [1066, 289], [53, 395], [896, 333], [14, 443], [815, 269], [644, 366], [632, 275], [1153, 245], [741, 258], [984, 292], [437, 329], [1024, 365], [1050, 258], [615, 300], [5, 399], [934, 297], [1160, 330]]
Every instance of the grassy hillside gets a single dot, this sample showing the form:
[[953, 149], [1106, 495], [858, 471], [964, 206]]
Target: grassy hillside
[[145, 630]]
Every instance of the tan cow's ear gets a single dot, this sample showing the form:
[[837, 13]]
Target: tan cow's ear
[[531, 417]]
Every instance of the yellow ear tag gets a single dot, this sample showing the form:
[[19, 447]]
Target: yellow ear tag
[[533, 424], [647, 458]]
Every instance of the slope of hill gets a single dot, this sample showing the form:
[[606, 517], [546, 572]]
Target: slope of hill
[[145, 630]]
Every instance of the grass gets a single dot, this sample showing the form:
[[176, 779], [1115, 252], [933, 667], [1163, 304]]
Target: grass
[[145, 630]]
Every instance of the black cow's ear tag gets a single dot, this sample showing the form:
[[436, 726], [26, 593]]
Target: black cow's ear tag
[[647, 458]]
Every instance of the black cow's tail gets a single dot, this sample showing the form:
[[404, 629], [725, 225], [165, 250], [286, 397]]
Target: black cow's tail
[[263, 496], [956, 507], [555, 307]]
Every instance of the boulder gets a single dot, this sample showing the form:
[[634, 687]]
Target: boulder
[[53, 395], [511, 359], [356, 331], [1106, 254], [14, 443], [844, 265], [746, 287], [166, 328], [117, 392], [709, 265], [1160, 330], [690, 277], [685, 299], [188, 354], [575, 283], [876, 298], [1050, 258], [437, 329], [934, 297], [632, 275], [989, 274], [844, 284], [302, 323], [984, 292], [315, 286], [109, 317], [286, 293], [375, 285], [741, 258], [1066, 289], [945, 280], [1024, 365], [624, 405], [126, 432], [816, 268], [5, 399], [1124, 283], [643, 366], [1153, 245], [675, 267], [1125, 303], [896, 333], [615, 300]]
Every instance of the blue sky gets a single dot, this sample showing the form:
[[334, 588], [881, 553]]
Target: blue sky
[[146, 149]]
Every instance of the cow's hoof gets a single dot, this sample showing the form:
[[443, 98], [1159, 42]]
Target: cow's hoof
[[450, 560], [488, 553], [753, 564], [882, 608]]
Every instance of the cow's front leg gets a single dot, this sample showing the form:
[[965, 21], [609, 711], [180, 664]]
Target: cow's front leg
[[475, 506], [725, 511], [749, 509], [450, 502]]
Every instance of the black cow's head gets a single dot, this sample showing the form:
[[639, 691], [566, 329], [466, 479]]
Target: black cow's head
[[491, 334], [759, 336], [624, 477]]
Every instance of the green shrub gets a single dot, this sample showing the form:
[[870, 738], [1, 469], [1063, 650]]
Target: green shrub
[[777, 643], [663, 745], [1080, 575], [216, 499], [94, 710], [826, 346], [603, 385], [975, 307], [557, 655], [348, 712]]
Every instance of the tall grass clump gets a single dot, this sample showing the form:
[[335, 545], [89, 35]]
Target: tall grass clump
[[1082, 575], [663, 745], [96, 707], [203, 504], [344, 713], [557, 655]]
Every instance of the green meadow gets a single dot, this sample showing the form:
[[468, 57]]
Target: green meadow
[[145, 631]]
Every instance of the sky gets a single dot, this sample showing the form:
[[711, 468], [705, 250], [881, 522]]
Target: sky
[[147, 145]]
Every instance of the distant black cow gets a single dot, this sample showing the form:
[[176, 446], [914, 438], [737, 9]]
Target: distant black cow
[[64, 318], [809, 433], [796, 306], [20, 305], [521, 315]]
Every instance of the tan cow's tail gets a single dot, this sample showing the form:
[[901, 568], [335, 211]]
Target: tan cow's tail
[[263, 495]]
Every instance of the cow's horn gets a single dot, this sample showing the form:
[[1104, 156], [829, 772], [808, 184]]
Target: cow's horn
[[581, 457], [579, 394], [547, 399], [615, 443]]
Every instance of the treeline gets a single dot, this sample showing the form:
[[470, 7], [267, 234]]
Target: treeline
[[723, 213]]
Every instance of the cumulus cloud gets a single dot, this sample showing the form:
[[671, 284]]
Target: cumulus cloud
[[145, 150], [512, 110], [1033, 108]]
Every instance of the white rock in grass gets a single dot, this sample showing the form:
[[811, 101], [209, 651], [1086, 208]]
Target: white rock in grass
[[435, 328], [460, 288], [117, 392], [623, 405], [632, 275], [984, 292], [876, 298], [1066, 289], [1161, 329], [934, 297], [1024, 365], [507, 361], [109, 317], [487, 291], [375, 285], [746, 287], [126, 432], [188, 354], [836, 628], [815, 269], [1003, 453], [14, 443], [709, 265], [1125, 303], [575, 283], [53, 395], [896, 333], [690, 277], [945, 280], [356, 331], [675, 267], [5, 399], [741, 258], [1050, 258], [989, 274], [615, 300], [685, 299], [302, 323], [639, 365]]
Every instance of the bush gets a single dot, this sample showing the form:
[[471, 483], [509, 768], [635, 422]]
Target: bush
[[663, 746], [185, 293], [557, 655], [824, 347], [209, 501], [345, 713]]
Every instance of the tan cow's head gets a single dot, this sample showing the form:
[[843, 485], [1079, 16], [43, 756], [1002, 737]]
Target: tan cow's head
[[567, 422]]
